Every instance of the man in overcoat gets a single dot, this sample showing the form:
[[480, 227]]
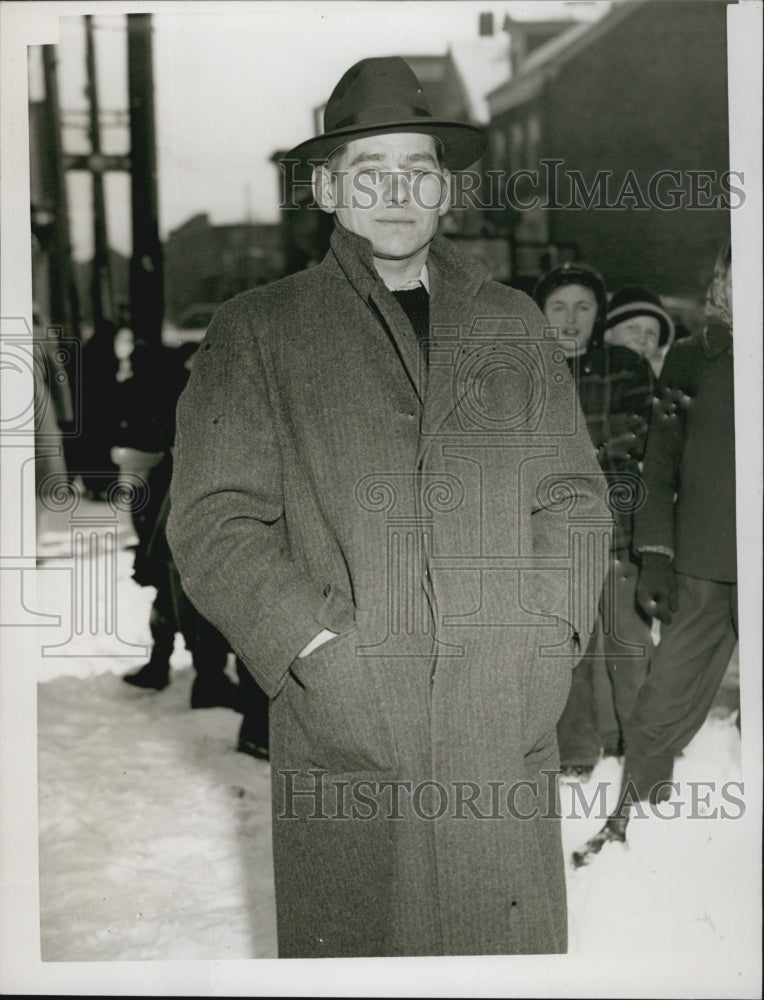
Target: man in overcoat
[[386, 497]]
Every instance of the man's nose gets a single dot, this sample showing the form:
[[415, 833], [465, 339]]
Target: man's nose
[[397, 189]]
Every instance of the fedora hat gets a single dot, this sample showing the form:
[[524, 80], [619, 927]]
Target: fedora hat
[[383, 95]]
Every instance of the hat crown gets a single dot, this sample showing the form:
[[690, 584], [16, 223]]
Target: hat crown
[[376, 91], [571, 273], [634, 294], [383, 96]]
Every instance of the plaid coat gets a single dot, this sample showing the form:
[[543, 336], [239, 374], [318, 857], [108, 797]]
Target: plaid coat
[[615, 389], [447, 521]]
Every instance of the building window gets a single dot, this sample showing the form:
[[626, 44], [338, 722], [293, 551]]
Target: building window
[[533, 140], [516, 145], [498, 148]]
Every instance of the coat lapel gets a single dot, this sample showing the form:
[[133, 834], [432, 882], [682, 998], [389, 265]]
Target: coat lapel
[[455, 281], [403, 337], [352, 254], [454, 284]]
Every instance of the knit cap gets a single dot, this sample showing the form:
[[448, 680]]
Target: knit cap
[[635, 301], [571, 273]]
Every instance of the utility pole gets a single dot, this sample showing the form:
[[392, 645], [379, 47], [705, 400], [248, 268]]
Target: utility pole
[[63, 306], [103, 304], [146, 271]]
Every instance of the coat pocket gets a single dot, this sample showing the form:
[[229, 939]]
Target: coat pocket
[[338, 708]]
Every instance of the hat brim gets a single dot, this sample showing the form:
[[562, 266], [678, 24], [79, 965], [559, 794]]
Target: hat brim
[[632, 309], [463, 144]]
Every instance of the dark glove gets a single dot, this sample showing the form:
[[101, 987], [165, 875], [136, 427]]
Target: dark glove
[[656, 587], [146, 571]]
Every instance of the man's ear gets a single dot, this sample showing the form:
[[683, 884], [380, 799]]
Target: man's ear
[[446, 189], [324, 189]]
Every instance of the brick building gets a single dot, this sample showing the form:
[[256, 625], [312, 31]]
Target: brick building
[[634, 109], [207, 264]]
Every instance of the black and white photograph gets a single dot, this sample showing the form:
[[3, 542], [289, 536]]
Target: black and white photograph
[[381, 540]]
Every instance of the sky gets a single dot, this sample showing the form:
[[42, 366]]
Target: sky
[[234, 85]]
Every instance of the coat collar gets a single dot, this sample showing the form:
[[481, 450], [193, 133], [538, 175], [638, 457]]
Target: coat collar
[[350, 259], [456, 278], [352, 255]]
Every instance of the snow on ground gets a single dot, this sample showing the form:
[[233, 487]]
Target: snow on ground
[[154, 833]]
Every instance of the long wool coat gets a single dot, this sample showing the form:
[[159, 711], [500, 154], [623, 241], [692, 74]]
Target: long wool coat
[[443, 512]]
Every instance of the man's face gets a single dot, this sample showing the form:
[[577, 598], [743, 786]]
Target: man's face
[[573, 309], [389, 189], [639, 333]]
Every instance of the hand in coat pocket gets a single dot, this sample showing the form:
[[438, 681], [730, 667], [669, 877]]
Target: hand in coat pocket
[[318, 640], [338, 703]]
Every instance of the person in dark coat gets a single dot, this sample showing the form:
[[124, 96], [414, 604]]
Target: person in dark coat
[[154, 381], [91, 450], [386, 498], [172, 613], [685, 537], [615, 389]]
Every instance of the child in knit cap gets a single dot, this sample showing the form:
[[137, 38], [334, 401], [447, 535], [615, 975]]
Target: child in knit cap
[[637, 320]]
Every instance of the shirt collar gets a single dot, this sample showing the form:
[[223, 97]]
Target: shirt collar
[[423, 279]]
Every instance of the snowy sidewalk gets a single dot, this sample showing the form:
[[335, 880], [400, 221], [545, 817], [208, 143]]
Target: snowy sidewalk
[[154, 831]]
